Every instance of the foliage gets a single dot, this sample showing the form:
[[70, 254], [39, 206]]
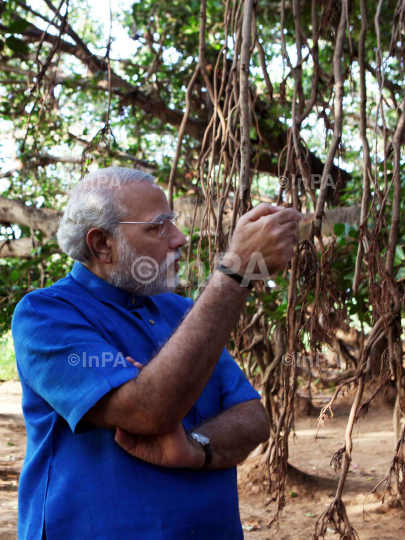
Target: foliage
[[8, 367]]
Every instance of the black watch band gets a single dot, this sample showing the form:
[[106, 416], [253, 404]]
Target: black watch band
[[228, 272], [205, 443]]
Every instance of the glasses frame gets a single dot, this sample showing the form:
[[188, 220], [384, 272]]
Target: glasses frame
[[163, 225]]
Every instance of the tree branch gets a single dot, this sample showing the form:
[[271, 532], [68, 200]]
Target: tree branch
[[41, 219], [132, 95]]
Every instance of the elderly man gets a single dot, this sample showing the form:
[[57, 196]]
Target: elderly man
[[136, 415]]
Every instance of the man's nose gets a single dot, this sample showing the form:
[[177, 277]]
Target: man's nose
[[177, 238]]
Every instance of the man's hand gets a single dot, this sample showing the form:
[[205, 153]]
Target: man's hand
[[174, 449], [233, 435], [269, 230]]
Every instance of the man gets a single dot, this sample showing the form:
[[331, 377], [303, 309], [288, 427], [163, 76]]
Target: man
[[136, 415]]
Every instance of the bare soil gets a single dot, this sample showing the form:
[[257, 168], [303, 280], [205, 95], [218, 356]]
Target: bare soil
[[12, 451], [312, 488], [308, 493]]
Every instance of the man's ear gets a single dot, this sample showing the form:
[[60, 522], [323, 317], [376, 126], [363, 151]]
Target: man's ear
[[100, 243]]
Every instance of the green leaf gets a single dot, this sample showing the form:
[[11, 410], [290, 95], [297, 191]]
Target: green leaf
[[282, 308], [281, 282], [342, 241], [401, 274], [17, 45], [189, 30], [399, 253], [253, 133], [339, 228], [14, 275], [18, 27]]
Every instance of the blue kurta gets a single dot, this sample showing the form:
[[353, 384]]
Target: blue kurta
[[77, 483]]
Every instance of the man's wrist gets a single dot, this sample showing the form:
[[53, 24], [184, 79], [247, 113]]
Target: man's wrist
[[237, 265], [242, 280], [232, 261], [223, 282]]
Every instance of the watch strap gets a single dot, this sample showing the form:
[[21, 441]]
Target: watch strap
[[207, 451], [228, 272]]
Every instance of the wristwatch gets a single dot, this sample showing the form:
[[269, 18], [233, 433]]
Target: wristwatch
[[205, 443]]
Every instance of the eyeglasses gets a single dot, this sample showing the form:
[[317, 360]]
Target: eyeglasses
[[163, 226]]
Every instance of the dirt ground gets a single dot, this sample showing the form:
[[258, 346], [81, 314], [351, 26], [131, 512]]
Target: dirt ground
[[307, 497]]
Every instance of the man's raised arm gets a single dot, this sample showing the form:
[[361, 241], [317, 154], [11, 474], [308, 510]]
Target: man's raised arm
[[160, 397]]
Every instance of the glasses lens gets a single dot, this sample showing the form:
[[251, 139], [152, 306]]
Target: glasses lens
[[164, 227]]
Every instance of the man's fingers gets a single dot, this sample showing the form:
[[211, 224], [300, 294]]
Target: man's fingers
[[262, 209], [290, 229], [126, 440], [134, 363], [287, 215]]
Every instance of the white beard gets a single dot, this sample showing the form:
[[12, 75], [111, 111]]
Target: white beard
[[140, 274]]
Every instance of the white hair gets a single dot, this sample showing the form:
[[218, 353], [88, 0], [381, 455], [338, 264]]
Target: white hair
[[93, 203]]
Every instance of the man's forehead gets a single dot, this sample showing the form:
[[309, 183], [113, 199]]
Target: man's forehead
[[144, 198]]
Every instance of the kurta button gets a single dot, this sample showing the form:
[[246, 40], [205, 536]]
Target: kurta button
[[132, 300], [151, 321]]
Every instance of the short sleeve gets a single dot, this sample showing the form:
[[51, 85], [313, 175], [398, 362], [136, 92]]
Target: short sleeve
[[234, 386], [63, 358]]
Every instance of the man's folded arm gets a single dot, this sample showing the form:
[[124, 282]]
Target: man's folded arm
[[243, 422], [235, 433]]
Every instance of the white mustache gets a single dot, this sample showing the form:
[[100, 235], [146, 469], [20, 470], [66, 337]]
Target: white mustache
[[174, 257]]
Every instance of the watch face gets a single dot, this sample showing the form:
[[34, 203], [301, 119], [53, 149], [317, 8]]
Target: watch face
[[202, 439]]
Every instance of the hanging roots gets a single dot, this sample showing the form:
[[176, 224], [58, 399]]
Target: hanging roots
[[335, 517]]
